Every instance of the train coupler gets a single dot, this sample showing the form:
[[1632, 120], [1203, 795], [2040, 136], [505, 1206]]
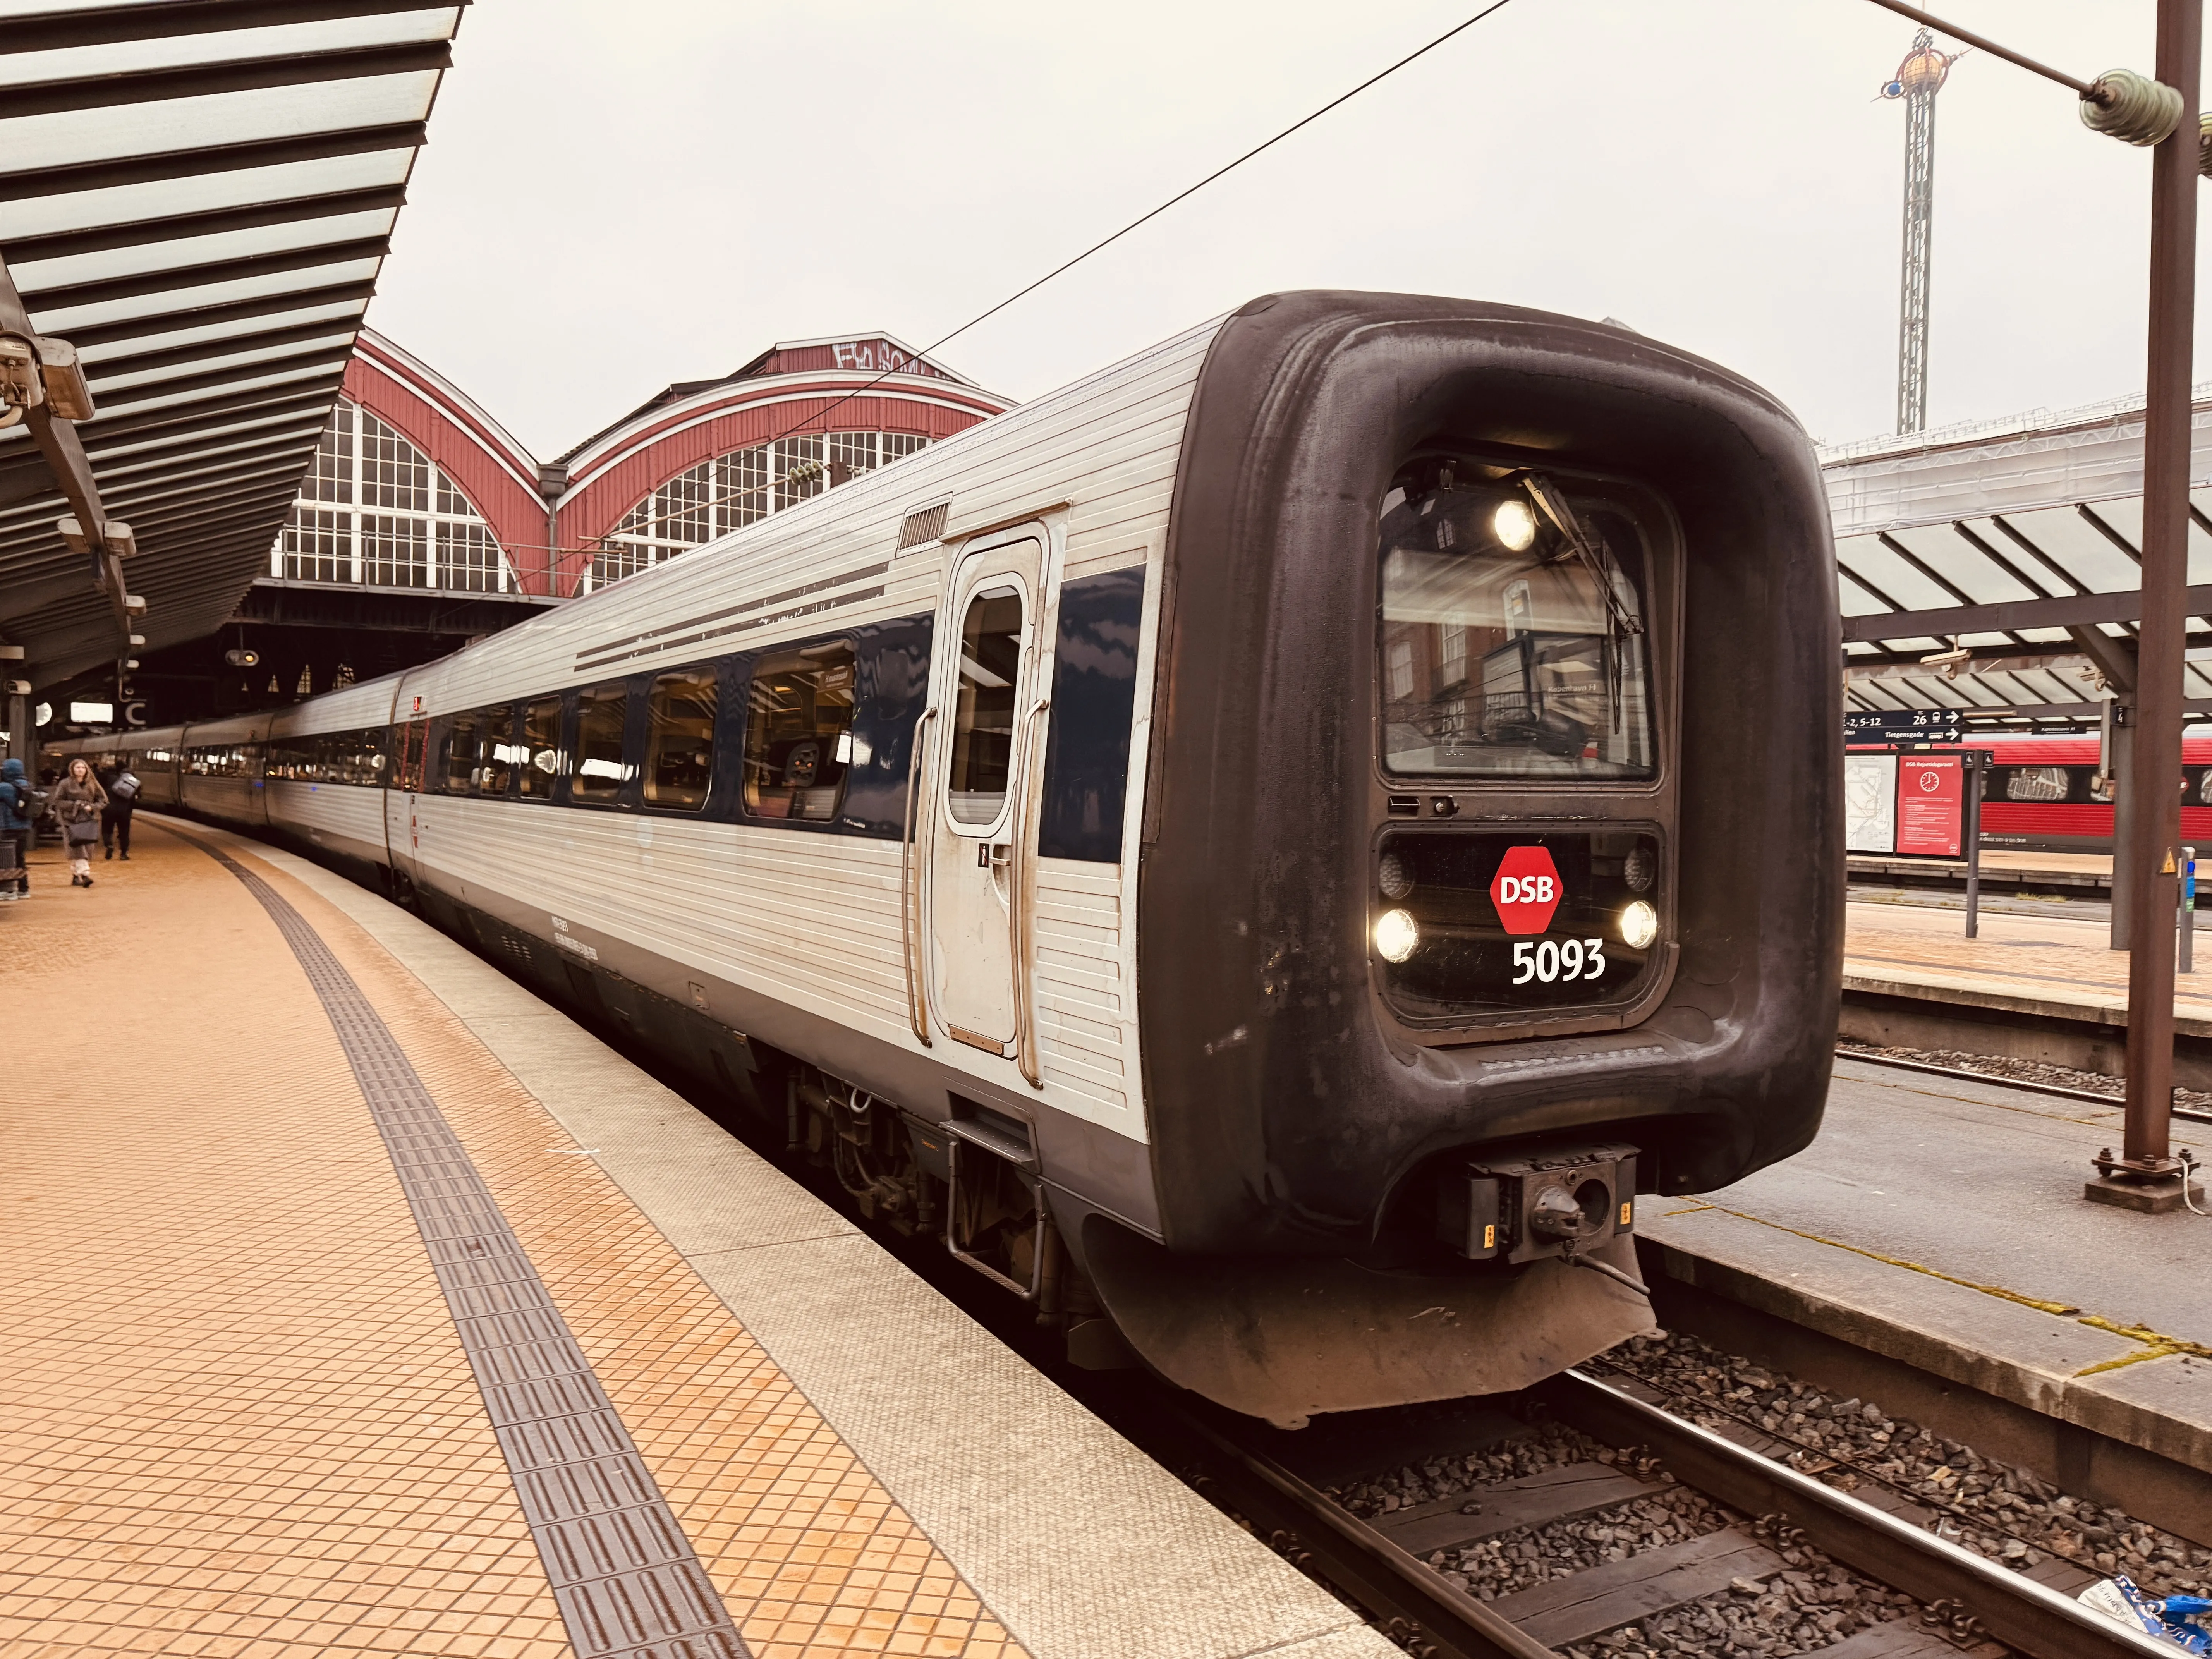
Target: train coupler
[[1558, 1201]]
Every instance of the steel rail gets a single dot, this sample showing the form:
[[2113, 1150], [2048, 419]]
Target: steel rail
[[1429, 1615], [2017, 1611], [1964, 1076], [1432, 1617]]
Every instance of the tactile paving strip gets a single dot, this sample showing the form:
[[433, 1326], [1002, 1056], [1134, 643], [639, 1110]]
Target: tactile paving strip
[[627, 1582]]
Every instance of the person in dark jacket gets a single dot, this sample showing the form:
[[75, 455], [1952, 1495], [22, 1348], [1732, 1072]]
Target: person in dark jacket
[[122, 785], [77, 801], [17, 813]]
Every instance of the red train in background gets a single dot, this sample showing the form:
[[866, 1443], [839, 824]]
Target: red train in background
[[2042, 795]]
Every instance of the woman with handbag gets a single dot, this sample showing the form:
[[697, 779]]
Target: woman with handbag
[[78, 801]]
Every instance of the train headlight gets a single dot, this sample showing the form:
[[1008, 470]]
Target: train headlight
[[1396, 881], [1639, 925], [1395, 935], [1635, 869], [1515, 524]]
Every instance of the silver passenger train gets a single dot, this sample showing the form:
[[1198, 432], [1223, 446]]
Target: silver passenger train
[[1267, 851]]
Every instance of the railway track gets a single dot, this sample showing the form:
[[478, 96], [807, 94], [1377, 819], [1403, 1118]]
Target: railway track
[[1966, 1601], [1998, 1079]]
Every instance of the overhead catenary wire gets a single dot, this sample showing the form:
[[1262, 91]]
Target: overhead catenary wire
[[1142, 219]]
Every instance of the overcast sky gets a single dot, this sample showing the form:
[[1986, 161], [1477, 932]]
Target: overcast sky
[[617, 196]]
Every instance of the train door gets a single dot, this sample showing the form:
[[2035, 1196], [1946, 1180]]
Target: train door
[[982, 840], [403, 834]]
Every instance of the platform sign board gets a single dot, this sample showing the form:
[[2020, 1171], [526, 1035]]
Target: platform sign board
[[1931, 795], [1903, 725], [1870, 803]]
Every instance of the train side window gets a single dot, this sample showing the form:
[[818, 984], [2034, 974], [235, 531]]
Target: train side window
[[1094, 705], [356, 757], [503, 755], [679, 751], [601, 771], [457, 754], [799, 733], [543, 761], [2036, 783]]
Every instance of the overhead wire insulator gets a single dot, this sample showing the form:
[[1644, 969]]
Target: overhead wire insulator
[[2205, 145], [2132, 108]]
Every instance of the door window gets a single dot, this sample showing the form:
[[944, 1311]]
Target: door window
[[414, 736], [983, 710]]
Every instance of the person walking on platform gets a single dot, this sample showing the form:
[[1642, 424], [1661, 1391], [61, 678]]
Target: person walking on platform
[[122, 785], [78, 800], [18, 811]]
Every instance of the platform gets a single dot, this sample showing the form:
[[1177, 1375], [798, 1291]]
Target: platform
[[2090, 873], [361, 1302], [1939, 1223], [2039, 986]]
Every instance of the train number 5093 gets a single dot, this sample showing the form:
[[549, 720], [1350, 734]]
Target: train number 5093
[[1552, 960]]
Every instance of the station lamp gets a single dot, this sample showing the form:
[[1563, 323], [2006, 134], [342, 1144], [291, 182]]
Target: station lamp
[[115, 536], [22, 388], [1947, 663], [38, 370]]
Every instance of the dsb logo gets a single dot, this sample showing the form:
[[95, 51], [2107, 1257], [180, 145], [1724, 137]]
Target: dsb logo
[[1526, 889]]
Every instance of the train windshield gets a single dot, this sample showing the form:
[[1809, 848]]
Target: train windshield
[[1513, 639]]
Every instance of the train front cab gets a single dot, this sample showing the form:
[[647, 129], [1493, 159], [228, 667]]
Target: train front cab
[[1491, 866]]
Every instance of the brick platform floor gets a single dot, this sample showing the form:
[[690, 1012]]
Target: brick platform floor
[[235, 1418], [2051, 959]]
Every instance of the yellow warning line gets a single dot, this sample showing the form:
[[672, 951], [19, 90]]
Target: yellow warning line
[[2156, 1344]]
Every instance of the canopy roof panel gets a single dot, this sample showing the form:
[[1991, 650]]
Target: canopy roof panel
[[2019, 541], [197, 195]]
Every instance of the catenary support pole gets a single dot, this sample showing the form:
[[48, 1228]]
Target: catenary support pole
[[2146, 1167], [2122, 781], [1974, 776], [2187, 956]]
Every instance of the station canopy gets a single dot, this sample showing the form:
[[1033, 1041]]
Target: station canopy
[[197, 195], [2020, 542]]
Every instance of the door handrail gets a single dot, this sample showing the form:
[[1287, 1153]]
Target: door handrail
[[1021, 880], [917, 990]]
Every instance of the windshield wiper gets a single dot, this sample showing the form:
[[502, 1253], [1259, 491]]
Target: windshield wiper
[[1620, 623], [1591, 550]]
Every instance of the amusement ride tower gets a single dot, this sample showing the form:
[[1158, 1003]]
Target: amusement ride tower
[[1918, 79]]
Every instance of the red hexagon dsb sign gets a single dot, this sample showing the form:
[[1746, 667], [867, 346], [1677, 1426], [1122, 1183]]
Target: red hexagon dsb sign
[[1527, 890]]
